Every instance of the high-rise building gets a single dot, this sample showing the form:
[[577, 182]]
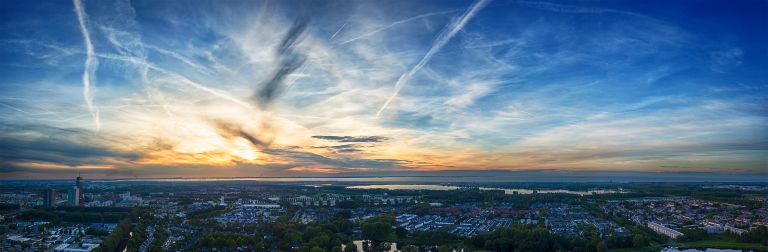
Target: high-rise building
[[49, 198], [3, 232], [79, 185], [73, 196]]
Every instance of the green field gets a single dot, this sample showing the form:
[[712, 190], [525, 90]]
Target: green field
[[721, 245], [654, 248]]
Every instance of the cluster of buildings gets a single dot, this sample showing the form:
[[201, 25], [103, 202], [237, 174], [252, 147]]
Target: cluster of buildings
[[470, 219], [669, 216], [252, 213], [182, 215], [74, 196], [20, 235], [661, 229], [49, 197], [317, 201], [413, 223], [44, 236], [385, 199], [478, 225], [566, 219]]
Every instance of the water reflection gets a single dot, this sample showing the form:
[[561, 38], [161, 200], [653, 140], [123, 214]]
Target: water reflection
[[407, 187], [507, 191], [530, 191]]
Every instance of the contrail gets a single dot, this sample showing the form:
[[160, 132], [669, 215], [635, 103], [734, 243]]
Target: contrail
[[445, 35], [394, 24], [218, 93], [181, 58], [576, 9], [338, 31], [91, 63]]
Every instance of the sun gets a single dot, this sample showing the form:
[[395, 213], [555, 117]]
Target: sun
[[246, 154]]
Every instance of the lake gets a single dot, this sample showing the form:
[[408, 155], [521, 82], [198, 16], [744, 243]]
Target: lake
[[507, 191], [530, 191], [407, 187]]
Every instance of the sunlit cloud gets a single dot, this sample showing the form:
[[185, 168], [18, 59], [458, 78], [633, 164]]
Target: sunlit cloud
[[366, 87]]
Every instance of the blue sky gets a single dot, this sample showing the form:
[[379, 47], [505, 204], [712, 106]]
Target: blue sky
[[300, 88]]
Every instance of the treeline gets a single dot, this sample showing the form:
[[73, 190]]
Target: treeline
[[161, 235], [723, 195], [207, 213], [754, 235], [118, 239], [94, 209], [9, 207], [642, 237], [226, 242], [139, 236], [282, 236], [522, 201], [520, 238], [735, 199], [74, 214], [113, 241]]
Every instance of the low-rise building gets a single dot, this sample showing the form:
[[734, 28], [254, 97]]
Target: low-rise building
[[661, 229]]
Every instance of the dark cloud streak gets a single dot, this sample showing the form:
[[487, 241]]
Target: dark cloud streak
[[342, 163], [351, 139], [289, 61], [61, 146], [229, 130]]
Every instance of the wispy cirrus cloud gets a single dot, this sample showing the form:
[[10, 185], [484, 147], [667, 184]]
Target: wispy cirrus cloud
[[445, 35], [522, 85], [393, 24]]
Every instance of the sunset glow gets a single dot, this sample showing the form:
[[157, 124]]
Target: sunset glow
[[227, 89]]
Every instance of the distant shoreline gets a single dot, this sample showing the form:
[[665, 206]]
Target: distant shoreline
[[510, 178]]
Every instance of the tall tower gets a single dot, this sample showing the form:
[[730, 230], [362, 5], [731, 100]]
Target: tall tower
[[79, 185], [72, 196], [49, 198]]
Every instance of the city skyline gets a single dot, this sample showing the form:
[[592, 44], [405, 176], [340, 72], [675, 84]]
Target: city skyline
[[147, 89]]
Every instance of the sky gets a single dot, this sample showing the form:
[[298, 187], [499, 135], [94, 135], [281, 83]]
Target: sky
[[142, 89]]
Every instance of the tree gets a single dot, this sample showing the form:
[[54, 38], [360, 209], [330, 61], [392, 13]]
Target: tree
[[401, 232], [292, 236], [347, 204], [410, 248], [444, 248], [377, 231], [639, 241], [344, 226], [755, 235], [322, 240], [601, 247], [350, 247], [694, 234], [344, 214]]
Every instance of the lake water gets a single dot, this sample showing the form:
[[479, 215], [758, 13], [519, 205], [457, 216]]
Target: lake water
[[529, 191], [507, 191], [549, 176], [407, 187]]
